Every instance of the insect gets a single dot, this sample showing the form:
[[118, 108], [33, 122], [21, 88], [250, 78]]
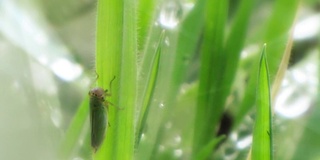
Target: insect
[[98, 116]]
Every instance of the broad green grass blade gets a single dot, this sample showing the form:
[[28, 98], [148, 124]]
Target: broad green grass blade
[[126, 133], [116, 56], [210, 105], [148, 93], [108, 53], [73, 133], [276, 41], [262, 132]]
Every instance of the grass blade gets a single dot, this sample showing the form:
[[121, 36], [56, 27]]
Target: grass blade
[[73, 133], [173, 67], [125, 133], [210, 105], [207, 150], [235, 42], [262, 132], [275, 38], [116, 56], [149, 90], [108, 46]]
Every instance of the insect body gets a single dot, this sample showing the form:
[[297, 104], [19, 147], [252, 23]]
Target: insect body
[[98, 116]]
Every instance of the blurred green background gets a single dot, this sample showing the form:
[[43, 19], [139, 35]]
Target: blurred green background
[[47, 59]]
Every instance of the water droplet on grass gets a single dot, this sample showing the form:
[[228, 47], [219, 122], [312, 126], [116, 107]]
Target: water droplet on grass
[[166, 41], [178, 152], [170, 14]]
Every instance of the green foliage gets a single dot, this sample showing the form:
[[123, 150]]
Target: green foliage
[[148, 87], [186, 79]]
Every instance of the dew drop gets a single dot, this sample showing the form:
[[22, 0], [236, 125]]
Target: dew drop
[[178, 152], [143, 137], [170, 14], [161, 105], [166, 41], [177, 139]]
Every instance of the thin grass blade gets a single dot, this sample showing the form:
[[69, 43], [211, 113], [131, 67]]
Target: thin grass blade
[[75, 129], [207, 150], [210, 104], [235, 42], [262, 132], [149, 90], [276, 37]]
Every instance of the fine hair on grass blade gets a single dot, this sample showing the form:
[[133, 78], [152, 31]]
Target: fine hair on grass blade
[[149, 90]]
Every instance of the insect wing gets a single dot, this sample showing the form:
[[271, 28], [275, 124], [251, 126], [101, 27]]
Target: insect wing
[[98, 122]]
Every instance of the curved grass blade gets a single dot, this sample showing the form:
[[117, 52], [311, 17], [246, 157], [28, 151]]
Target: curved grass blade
[[149, 90], [174, 66], [262, 132]]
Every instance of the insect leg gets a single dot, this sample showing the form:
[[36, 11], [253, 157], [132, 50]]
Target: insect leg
[[107, 103], [110, 85]]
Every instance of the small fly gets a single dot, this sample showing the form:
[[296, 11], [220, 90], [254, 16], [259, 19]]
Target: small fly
[[98, 116]]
